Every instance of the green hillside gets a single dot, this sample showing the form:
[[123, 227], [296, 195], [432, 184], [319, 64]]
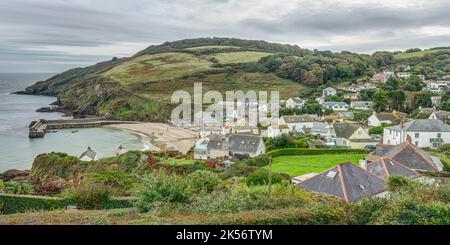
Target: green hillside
[[140, 87], [419, 54]]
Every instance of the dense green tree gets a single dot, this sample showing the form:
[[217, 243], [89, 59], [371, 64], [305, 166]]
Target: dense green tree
[[367, 94], [380, 100], [397, 100], [423, 98], [413, 83]]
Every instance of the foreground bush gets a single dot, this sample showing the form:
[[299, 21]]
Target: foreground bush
[[159, 186], [119, 182], [261, 177], [91, 196], [13, 187], [202, 181]]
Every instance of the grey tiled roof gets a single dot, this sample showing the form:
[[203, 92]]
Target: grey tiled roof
[[344, 129], [350, 183], [387, 116], [244, 143], [385, 167], [299, 118], [423, 125], [89, 153], [408, 155]]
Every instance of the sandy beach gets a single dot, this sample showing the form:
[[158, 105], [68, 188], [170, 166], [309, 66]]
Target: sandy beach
[[163, 135]]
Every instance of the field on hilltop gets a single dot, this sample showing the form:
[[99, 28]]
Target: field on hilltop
[[419, 54]]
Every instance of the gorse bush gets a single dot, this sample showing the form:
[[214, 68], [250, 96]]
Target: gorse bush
[[261, 177], [91, 196], [159, 186], [202, 181], [117, 180]]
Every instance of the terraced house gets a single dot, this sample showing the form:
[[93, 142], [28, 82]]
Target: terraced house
[[351, 135]]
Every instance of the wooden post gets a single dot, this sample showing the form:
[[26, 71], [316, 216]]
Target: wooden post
[[270, 177]]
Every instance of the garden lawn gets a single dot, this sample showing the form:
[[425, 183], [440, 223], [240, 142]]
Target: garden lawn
[[174, 161], [299, 165]]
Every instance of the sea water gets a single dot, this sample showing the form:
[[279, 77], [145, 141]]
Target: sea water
[[17, 151]]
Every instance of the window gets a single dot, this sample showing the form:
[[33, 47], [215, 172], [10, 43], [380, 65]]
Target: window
[[416, 135], [439, 135], [416, 143]]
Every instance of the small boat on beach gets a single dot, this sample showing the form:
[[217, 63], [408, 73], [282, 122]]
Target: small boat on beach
[[74, 131]]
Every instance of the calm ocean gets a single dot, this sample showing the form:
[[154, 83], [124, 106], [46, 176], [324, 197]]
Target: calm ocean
[[17, 111]]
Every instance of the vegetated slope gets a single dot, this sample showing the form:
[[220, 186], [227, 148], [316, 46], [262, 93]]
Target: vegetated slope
[[140, 87], [419, 53]]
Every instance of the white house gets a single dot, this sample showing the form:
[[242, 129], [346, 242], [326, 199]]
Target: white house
[[295, 103], [351, 96], [430, 133], [275, 131], [351, 135], [436, 100], [436, 86], [329, 92], [377, 119], [89, 155], [403, 74], [320, 100], [361, 105], [218, 146], [336, 106], [296, 123]]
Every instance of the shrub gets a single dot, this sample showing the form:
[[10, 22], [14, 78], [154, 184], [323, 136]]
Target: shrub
[[397, 183], [368, 210], [54, 165], [261, 177], [117, 180], [13, 187], [2, 185], [301, 151], [159, 186], [258, 161], [21, 203], [202, 181], [326, 214], [91, 196]]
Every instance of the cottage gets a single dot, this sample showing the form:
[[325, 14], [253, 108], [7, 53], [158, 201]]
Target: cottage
[[345, 181], [345, 115], [336, 106], [382, 77], [278, 130], [320, 100], [407, 154], [329, 92], [323, 129], [352, 135], [430, 133], [296, 123], [436, 86], [436, 100], [403, 74], [219, 146], [351, 96], [361, 105], [377, 119], [295, 103], [440, 115], [89, 155]]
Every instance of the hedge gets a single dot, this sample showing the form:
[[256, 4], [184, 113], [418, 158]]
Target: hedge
[[316, 151], [10, 203]]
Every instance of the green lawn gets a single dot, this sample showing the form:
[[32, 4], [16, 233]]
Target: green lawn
[[240, 57], [417, 54], [213, 47], [299, 165], [175, 161]]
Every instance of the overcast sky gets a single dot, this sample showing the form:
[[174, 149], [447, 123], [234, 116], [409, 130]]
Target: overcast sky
[[54, 35]]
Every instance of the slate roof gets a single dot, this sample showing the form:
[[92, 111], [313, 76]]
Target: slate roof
[[387, 116], [89, 153], [332, 103], [217, 142], [346, 181], [423, 125], [244, 143], [408, 155], [344, 129], [299, 118], [385, 167], [442, 115]]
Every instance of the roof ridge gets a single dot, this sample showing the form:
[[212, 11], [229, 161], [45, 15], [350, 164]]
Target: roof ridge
[[341, 178], [383, 164]]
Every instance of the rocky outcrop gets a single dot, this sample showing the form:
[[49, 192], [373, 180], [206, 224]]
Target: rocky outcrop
[[21, 176]]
